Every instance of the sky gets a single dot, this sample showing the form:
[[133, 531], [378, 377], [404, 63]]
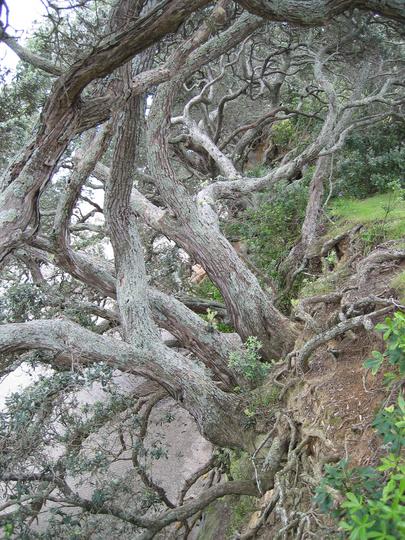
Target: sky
[[22, 15]]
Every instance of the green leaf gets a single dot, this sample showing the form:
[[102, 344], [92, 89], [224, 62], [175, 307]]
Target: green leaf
[[401, 403], [345, 526], [374, 363], [352, 501]]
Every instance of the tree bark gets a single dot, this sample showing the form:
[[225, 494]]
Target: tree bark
[[30, 172], [317, 12], [218, 415], [250, 308], [215, 412], [299, 254], [209, 345]]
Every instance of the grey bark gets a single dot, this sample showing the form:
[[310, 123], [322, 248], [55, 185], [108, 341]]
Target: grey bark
[[316, 12], [210, 346], [249, 307], [30, 172], [189, 385], [296, 259]]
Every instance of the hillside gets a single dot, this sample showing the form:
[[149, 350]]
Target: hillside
[[202, 265], [333, 405]]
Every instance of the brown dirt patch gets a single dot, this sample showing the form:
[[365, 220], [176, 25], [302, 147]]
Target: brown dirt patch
[[336, 403]]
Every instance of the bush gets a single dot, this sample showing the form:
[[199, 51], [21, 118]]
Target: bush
[[271, 230], [394, 334], [374, 503], [374, 498], [371, 161], [248, 362], [207, 289]]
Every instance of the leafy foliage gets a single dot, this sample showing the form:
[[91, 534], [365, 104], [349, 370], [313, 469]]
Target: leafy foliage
[[22, 302], [20, 100], [26, 301], [374, 503], [248, 363], [273, 227], [206, 289], [372, 161], [374, 498], [394, 334], [241, 511]]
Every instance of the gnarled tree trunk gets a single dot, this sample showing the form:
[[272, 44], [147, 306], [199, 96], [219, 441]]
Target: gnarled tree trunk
[[250, 308]]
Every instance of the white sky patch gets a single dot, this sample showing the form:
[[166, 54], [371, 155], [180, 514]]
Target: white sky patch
[[23, 14], [19, 379]]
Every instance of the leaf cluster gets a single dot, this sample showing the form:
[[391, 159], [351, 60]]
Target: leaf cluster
[[394, 335], [274, 226], [371, 500], [248, 363], [371, 161]]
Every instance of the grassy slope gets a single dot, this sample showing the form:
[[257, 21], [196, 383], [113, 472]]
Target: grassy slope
[[386, 209], [382, 217]]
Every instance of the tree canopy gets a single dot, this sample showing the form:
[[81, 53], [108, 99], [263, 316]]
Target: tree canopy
[[144, 139]]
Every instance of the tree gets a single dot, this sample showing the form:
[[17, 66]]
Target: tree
[[146, 112]]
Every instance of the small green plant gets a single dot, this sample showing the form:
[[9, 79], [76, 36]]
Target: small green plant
[[394, 334], [257, 172], [340, 478], [373, 235], [158, 451], [210, 318], [331, 259], [374, 498], [373, 506], [248, 363], [390, 425], [149, 499], [250, 418], [206, 289], [265, 397], [8, 530], [241, 512]]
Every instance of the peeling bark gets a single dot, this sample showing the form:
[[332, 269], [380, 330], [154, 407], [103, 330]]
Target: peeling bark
[[316, 12]]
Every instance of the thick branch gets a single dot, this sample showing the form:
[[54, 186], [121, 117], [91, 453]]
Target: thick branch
[[28, 56], [311, 345], [317, 12]]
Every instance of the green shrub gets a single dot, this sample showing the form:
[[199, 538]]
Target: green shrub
[[283, 133], [241, 512], [248, 362], [374, 497], [374, 503], [394, 334], [371, 161], [207, 289], [271, 230]]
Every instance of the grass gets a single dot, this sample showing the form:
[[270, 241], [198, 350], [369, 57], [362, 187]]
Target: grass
[[387, 209], [207, 289], [242, 511]]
